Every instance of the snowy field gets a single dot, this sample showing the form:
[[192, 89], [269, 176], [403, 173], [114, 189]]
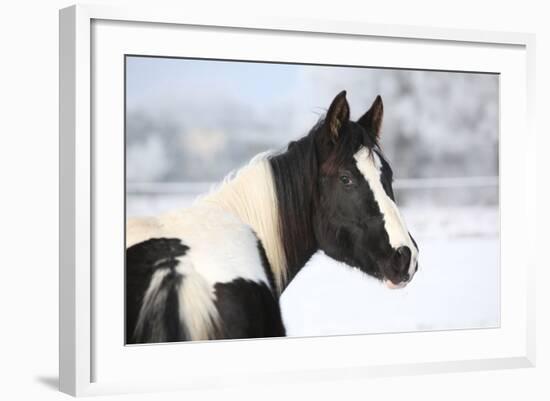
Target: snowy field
[[456, 287]]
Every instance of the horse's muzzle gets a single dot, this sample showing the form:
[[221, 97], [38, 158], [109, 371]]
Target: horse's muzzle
[[398, 275]]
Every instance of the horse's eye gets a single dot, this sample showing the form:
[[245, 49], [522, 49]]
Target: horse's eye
[[344, 179]]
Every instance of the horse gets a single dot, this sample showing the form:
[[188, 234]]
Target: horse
[[216, 270]]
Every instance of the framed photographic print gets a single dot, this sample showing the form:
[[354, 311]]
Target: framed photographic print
[[259, 198]]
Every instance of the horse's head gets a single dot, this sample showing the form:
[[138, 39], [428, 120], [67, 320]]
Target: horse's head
[[356, 219]]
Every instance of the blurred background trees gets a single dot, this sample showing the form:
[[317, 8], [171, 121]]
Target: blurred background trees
[[190, 122]]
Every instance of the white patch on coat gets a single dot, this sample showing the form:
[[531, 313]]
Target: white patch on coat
[[152, 302], [250, 195], [216, 226], [221, 247], [370, 166], [197, 310]]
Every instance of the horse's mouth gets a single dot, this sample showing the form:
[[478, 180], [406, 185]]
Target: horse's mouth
[[393, 281], [401, 283], [391, 285]]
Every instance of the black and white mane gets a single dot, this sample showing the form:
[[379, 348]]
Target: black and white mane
[[216, 270]]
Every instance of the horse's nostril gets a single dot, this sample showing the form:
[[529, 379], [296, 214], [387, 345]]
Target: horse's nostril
[[402, 259], [402, 250]]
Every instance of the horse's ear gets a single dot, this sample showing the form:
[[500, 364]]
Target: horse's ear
[[337, 116], [372, 119]]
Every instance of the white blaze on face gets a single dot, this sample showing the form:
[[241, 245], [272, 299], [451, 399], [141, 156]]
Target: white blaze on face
[[370, 166]]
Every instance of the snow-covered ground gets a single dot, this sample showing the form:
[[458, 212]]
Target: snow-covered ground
[[456, 287]]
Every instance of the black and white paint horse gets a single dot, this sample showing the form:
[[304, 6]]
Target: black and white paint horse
[[217, 269]]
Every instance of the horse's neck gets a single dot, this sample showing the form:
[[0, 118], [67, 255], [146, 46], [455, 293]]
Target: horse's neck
[[295, 180], [251, 196]]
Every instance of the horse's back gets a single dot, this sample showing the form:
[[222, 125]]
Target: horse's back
[[197, 274]]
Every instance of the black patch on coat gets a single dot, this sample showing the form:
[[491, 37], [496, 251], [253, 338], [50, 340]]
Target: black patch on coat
[[142, 261], [248, 310]]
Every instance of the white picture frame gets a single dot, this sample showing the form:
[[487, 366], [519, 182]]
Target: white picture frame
[[88, 366]]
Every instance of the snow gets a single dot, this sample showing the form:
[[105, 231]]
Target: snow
[[456, 287]]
